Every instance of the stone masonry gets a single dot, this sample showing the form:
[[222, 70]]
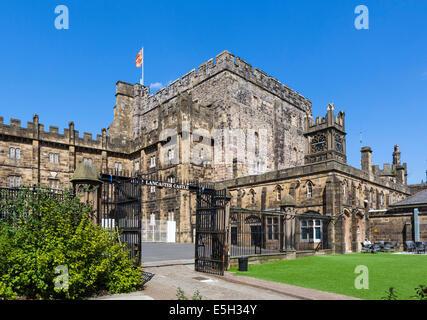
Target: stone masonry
[[224, 121]]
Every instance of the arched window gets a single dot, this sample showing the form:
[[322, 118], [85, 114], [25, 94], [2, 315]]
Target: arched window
[[171, 154], [252, 192], [309, 190], [278, 193]]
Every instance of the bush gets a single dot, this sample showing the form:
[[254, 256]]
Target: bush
[[44, 238]]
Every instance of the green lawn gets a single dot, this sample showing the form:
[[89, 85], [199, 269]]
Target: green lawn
[[336, 273]]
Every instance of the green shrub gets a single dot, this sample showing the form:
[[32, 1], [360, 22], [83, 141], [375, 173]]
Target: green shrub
[[43, 237]]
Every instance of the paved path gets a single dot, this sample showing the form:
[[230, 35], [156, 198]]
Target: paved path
[[156, 251], [171, 275], [281, 288], [168, 278]]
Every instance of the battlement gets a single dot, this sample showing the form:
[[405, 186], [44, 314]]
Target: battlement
[[223, 61], [385, 171], [36, 131], [330, 119], [392, 172]]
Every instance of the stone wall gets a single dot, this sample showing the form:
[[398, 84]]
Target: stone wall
[[336, 190], [50, 157], [224, 121], [415, 188], [226, 100], [396, 225]]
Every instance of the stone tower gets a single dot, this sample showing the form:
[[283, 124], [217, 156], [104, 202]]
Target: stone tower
[[326, 137]]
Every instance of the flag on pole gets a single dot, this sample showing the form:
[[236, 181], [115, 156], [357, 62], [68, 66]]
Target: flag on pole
[[138, 59]]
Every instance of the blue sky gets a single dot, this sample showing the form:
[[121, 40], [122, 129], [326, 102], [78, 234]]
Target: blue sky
[[377, 76]]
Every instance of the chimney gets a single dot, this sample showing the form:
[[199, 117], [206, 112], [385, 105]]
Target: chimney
[[366, 160]]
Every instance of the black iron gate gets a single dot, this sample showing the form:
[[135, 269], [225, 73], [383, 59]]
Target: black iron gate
[[210, 244], [121, 211], [121, 206]]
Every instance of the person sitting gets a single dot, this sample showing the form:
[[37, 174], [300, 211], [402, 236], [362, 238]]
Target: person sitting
[[367, 246], [367, 243]]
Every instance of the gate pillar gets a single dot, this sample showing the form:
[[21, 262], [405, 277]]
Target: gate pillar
[[288, 205], [86, 185]]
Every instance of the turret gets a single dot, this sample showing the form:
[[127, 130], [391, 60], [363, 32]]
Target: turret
[[326, 137]]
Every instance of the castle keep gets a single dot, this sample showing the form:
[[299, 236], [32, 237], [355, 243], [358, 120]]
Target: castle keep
[[224, 122]]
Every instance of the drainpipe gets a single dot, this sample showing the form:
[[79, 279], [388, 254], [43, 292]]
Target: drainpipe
[[416, 226]]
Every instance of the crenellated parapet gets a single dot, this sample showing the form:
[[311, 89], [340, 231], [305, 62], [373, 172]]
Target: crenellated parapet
[[329, 120], [69, 136], [223, 61], [395, 171]]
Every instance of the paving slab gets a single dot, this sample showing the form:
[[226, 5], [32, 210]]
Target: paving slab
[[286, 289], [158, 251], [173, 274], [168, 278]]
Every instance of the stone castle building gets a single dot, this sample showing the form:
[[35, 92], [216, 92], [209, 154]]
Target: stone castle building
[[224, 122]]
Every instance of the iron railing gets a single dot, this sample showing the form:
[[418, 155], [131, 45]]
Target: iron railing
[[13, 193], [255, 232]]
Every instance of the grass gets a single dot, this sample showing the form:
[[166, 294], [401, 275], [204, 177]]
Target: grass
[[336, 273]]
